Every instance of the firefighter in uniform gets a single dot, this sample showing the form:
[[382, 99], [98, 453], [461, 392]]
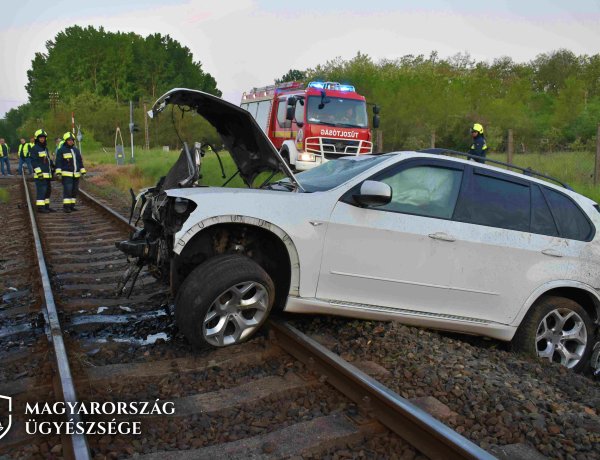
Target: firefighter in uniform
[[24, 156], [41, 171], [69, 167], [479, 146]]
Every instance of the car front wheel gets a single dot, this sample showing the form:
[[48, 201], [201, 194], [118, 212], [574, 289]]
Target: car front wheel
[[224, 301], [559, 330]]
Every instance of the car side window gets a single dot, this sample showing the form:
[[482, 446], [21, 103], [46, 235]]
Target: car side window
[[571, 221], [424, 190], [495, 202], [542, 221]]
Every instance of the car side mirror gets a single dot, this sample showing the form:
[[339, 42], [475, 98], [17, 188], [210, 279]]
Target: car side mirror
[[373, 193]]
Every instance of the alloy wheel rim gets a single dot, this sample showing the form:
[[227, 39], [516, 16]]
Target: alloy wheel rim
[[561, 337], [235, 314]]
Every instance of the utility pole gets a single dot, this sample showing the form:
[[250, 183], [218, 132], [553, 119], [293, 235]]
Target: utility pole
[[131, 125], [53, 97], [79, 138], [146, 132]]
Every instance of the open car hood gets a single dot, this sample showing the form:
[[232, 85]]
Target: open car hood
[[251, 150]]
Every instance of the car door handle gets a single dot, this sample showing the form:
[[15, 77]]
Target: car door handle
[[441, 236], [552, 253]]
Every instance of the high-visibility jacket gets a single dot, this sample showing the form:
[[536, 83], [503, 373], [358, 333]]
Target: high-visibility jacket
[[479, 146], [4, 151], [24, 150], [69, 162], [40, 162]]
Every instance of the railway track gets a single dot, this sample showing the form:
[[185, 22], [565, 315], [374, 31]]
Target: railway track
[[279, 395]]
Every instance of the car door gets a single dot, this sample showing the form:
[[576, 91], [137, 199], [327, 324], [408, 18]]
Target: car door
[[507, 245], [397, 255]]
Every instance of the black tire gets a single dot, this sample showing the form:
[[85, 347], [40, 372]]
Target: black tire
[[286, 157], [525, 342], [205, 287]]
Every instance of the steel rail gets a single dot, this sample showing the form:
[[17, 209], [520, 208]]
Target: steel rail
[[105, 209], [428, 435], [79, 443]]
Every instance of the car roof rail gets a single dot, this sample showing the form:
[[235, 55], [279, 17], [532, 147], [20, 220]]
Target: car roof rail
[[525, 171]]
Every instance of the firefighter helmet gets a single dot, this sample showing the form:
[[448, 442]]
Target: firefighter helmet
[[40, 133], [477, 128], [68, 135]]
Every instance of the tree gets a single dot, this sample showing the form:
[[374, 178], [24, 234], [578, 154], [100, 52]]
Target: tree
[[95, 73], [119, 65], [291, 75]]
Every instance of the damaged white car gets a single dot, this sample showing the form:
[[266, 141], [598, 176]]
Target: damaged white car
[[424, 239]]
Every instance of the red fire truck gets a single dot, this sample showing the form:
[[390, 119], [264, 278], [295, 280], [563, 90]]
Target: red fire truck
[[314, 123]]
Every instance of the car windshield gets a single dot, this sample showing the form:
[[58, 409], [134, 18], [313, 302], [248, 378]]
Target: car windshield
[[336, 111], [335, 172]]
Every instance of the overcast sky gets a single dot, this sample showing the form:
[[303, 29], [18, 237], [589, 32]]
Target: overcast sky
[[246, 43]]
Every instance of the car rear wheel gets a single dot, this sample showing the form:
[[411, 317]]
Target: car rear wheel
[[559, 330], [224, 301]]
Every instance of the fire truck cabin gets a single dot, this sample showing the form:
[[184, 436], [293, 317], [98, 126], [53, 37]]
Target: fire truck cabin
[[313, 124]]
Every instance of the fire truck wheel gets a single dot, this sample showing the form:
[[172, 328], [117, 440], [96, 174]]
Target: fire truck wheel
[[286, 157]]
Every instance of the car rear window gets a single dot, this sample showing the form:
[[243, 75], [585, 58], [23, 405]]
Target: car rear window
[[495, 202], [571, 221]]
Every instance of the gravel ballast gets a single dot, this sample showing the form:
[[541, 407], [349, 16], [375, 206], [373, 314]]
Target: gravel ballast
[[497, 397]]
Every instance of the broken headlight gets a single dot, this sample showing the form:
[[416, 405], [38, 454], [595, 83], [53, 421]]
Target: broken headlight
[[181, 205]]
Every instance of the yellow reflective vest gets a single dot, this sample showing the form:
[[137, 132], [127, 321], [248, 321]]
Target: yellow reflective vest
[[24, 150]]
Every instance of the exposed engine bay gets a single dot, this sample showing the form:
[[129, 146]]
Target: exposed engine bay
[[162, 216]]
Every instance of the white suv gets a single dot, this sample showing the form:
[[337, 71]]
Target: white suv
[[427, 240]]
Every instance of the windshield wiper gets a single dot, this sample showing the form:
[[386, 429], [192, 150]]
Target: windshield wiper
[[349, 125], [284, 183], [344, 125]]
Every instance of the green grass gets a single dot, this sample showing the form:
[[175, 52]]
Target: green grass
[[574, 168], [150, 165]]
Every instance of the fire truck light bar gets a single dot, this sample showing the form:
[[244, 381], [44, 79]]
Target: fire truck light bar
[[331, 85]]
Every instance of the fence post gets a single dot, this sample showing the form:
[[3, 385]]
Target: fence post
[[433, 139], [597, 164], [511, 147], [379, 141]]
